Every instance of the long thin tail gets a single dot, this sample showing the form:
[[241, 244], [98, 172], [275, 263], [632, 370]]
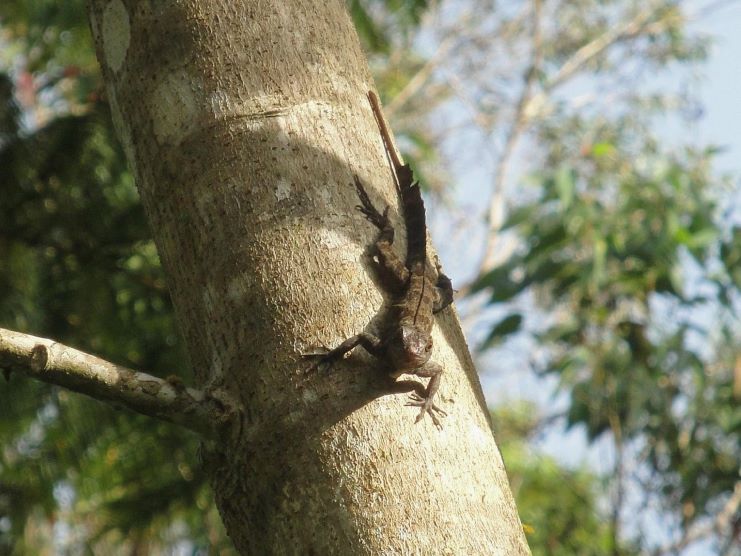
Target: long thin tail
[[388, 144], [411, 198]]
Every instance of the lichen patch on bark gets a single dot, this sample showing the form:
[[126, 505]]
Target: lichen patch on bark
[[173, 107], [282, 190], [116, 34]]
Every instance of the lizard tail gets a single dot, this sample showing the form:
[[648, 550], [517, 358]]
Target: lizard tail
[[413, 206], [414, 215]]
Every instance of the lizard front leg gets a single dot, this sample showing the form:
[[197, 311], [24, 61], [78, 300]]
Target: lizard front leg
[[371, 343], [434, 371]]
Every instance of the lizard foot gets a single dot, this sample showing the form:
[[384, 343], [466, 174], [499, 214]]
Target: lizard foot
[[381, 221], [427, 406]]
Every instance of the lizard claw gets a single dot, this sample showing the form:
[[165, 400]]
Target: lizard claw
[[367, 209], [379, 220], [427, 407]]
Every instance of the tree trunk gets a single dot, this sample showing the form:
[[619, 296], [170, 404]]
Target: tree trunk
[[244, 123]]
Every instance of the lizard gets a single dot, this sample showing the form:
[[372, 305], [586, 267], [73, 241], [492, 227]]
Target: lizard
[[419, 290]]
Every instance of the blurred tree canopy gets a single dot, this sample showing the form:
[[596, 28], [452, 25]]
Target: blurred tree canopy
[[619, 259]]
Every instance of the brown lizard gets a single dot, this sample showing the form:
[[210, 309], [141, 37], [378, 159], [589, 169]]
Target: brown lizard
[[419, 289]]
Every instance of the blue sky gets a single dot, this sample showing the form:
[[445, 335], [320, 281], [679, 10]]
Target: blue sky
[[721, 87]]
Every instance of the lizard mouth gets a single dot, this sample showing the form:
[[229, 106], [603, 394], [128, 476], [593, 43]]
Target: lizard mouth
[[408, 359]]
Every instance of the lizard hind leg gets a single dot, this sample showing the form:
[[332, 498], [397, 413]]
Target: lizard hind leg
[[445, 292], [371, 213]]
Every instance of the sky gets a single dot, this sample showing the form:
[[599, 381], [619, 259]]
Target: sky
[[721, 88]]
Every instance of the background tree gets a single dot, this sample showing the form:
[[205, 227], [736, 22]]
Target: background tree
[[207, 121], [554, 105]]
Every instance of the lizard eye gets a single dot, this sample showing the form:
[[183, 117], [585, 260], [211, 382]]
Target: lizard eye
[[428, 347]]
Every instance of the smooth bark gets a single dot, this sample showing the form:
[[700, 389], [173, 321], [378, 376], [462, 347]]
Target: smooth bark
[[244, 123]]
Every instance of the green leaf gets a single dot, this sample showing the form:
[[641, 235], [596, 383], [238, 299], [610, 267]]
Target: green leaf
[[372, 36], [599, 261], [519, 215], [499, 282], [702, 238], [600, 150], [565, 184], [508, 325]]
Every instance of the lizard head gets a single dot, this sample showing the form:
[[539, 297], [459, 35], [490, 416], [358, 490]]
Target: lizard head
[[410, 348]]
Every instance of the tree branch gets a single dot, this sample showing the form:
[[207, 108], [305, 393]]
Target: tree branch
[[495, 215], [718, 525], [619, 474], [598, 45], [419, 78], [203, 412], [528, 107]]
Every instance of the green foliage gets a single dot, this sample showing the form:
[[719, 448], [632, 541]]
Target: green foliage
[[378, 22], [607, 255], [559, 507], [77, 264], [626, 272]]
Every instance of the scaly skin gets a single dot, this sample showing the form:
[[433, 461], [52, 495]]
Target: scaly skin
[[420, 290]]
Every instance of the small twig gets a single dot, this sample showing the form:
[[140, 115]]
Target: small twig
[[520, 121], [718, 525], [169, 400], [525, 112], [419, 78], [619, 474]]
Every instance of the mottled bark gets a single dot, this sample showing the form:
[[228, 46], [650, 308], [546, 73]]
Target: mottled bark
[[244, 123]]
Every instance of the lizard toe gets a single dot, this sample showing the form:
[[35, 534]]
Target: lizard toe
[[427, 407]]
